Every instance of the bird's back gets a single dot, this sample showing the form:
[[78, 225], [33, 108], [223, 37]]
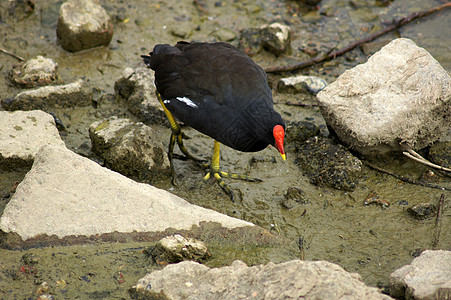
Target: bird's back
[[218, 90]]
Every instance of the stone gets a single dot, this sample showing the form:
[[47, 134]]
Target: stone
[[132, 149], [294, 279], [176, 248], [65, 194], [39, 71], [298, 132], [83, 24], [423, 211], [400, 98], [301, 84], [328, 164], [22, 134], [275, 38], [137, 88], [44, 98], [224, 34], [17, 10], [427, 277]]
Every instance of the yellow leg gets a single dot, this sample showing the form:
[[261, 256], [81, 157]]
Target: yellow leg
[[214, 170], [176, 136]]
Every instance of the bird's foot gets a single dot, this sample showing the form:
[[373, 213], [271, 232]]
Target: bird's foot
[[177, 136], [218, 175]]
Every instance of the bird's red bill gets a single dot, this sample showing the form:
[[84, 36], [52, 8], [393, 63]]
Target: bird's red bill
[[279, 135]]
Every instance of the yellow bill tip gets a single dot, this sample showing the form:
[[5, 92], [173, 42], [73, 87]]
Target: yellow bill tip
[[284, 157]]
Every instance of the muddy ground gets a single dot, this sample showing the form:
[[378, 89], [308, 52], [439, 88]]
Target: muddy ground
[[332, 225]]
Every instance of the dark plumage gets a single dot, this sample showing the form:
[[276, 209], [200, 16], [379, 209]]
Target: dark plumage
[[231, 99], [219, 91]]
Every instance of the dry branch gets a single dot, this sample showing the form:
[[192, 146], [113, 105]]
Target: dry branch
[[395, 25]]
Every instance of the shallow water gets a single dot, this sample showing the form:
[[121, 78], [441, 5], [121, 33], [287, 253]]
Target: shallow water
[[333, 225]]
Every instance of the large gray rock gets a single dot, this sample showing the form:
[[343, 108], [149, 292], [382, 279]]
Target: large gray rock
[[132, 149], [66, 194], [428, 277], [69, 95], [137, 88], [289, 280], [400, 98], [39, 71], [22, 134], [83, 24]]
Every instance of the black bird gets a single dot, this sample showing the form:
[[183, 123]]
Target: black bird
[[218, 90]]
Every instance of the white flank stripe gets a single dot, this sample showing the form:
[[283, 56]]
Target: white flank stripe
[[187, 101]]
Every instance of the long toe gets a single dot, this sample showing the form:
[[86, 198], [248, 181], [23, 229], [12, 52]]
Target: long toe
[[221, 183]]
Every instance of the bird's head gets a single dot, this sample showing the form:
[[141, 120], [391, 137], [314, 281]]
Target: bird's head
[[279, 135]]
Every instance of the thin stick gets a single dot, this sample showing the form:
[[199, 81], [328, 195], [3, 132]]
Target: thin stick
[[440, 209], [405, 179], [395, 25], [12, 54], [417, 157]]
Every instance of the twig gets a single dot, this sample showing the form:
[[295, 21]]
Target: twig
[[440, 208], [201, 6], [395, 25], [406, 179], [12, 54], [417, 157]]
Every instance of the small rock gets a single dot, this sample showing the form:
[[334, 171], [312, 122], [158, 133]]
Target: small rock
[[374, 198], [43, 289], [29, 259], [423, 211], [301, 84], [83, 24], [275, 38], [326, 163], [294, 279], [137, 88], [400, 98], [298, 132], [22, 133], [43, 98], [429, 176], [224, 35], [176, 248], [427, 277], [181, 32], [39, 71], [20, 9], [132, 149]]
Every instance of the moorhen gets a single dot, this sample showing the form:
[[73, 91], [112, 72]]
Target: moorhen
[[218, 90]]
